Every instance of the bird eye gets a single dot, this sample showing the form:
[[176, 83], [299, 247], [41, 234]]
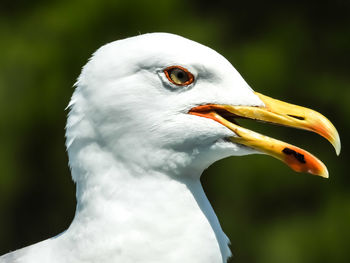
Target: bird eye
[[179, 75]]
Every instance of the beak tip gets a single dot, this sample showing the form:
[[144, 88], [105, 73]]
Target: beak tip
[[325, 174], [337, 145], [334, 138], [335, 141], [337, 151]]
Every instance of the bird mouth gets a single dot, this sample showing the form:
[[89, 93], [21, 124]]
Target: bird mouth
[[275, 112]]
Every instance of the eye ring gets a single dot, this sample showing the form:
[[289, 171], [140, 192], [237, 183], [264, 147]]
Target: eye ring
[[179, 76]]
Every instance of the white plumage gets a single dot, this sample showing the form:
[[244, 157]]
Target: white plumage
[[136, 156]]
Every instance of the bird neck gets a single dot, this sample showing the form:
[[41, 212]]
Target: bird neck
[[132, 206]]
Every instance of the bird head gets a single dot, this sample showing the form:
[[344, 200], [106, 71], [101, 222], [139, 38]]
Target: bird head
[[160, 101]]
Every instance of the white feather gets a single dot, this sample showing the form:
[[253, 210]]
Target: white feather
[[136, 156]]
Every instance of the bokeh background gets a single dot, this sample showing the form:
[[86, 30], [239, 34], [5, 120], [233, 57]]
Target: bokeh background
[[295, 51]]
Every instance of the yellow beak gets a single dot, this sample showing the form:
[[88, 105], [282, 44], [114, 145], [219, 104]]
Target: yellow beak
[[276, 112]]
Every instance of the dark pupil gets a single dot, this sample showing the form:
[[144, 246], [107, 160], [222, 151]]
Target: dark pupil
[[180, 75]]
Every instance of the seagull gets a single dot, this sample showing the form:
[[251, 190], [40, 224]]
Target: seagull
[[148, 115]]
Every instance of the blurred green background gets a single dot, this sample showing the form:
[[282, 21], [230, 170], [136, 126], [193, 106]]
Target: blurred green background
[[295, 51]]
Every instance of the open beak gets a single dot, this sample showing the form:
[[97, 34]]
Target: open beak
[[275, 112]]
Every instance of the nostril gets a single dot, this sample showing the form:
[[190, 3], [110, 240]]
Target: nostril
[[296, 117]]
